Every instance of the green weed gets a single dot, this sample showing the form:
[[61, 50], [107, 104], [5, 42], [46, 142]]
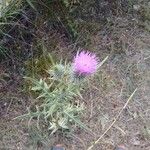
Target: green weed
[[54, 103]]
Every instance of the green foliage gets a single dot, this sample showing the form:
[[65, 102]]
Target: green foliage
[[61, 11], [9, 9], [55, 104]]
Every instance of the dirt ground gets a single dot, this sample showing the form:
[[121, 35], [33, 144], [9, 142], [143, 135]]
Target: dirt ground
[[127, 68]]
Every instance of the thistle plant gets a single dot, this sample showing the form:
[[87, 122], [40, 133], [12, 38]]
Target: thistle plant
[[85, 63], [56, 95]]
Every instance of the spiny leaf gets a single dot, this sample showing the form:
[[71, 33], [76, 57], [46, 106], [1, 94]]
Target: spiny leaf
[[41, 95], [51, 110], [77, 121], [39, 84], [63, 123]]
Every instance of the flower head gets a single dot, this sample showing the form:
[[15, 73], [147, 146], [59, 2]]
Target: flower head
[[85, 63]]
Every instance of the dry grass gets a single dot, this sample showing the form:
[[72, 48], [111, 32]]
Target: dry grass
[[127, 68]]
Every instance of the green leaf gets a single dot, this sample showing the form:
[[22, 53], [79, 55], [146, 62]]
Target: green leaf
[[36, 88], [63, 123], [51, 110], [40, 85], [41, 95], [77, 121]]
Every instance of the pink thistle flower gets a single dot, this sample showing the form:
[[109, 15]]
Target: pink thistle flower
[[85, 63]]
